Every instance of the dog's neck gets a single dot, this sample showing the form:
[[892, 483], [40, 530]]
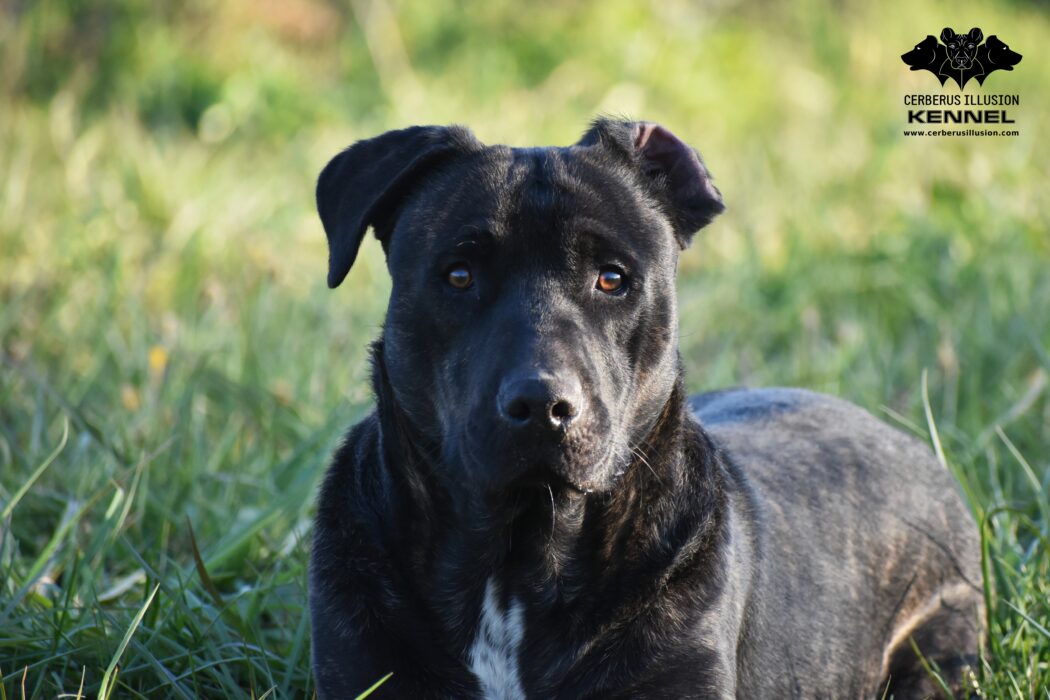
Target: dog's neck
[[598, 551]]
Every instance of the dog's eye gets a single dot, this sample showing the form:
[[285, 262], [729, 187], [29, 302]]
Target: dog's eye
[[459, 276], [610, 280]]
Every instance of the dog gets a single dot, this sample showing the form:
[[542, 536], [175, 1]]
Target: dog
[[962, 48], [927, 55], [535, 509], [995, 55], [961, 63]]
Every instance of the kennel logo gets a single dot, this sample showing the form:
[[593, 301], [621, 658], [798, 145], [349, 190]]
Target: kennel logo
[[961, 58]]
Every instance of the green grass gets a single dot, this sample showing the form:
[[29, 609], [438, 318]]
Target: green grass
[[174, 373]]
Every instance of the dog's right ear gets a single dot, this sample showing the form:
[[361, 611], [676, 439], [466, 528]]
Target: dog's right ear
[[365, 184], [947, 34]]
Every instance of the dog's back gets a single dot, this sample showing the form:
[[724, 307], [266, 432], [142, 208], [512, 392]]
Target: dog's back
[[869, 524]]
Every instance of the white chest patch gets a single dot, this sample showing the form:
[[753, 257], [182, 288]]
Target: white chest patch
[[494, 654]]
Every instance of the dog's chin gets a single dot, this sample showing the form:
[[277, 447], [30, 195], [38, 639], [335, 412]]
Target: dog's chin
[[553, 476], [562, 478], [500, 475], [543, 483], [547, 487], [573, 477]]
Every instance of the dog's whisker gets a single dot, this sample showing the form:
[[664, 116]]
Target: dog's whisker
[[642, 458], [554, 516]]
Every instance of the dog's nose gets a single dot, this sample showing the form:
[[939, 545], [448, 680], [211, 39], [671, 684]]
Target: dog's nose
[[540, 402]]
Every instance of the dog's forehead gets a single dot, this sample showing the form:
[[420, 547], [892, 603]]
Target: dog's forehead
[[536, 194]]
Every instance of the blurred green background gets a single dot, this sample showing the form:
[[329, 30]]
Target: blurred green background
[[170, 357]]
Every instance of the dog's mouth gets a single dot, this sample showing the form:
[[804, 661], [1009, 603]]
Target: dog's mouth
[[540, 491], [501, 474], [544, 478]]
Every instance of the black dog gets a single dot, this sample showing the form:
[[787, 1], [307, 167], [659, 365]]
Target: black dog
[[928, 55], [961, 63], [995, 55], [534, 510]]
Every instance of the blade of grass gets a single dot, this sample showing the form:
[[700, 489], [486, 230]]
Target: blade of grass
[[1038, 627], [70, 519], [297, 645], [931, 669], [109, 677], [938, 448], [38, 472], [375, 686], [1042, 503], [202, 571], [934, 435]]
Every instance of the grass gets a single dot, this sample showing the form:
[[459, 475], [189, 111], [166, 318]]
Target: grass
[[174, 374]]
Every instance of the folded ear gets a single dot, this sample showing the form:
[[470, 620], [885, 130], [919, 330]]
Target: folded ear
[[669, 167], [365, 184]]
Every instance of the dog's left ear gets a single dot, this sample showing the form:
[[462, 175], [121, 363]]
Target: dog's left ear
[[365, 185], [976, 34], [669, 167]]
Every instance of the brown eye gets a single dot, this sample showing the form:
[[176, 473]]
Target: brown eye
[[610, 280], [459, 276]]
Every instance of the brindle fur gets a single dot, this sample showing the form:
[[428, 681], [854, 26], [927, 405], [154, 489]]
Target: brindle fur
[[747, 543]]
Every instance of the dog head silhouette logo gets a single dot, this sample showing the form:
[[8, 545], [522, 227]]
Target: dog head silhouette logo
[[996, 55], [960, 57], [928, 54]]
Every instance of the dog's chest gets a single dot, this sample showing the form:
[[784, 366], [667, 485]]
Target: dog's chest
[[494, 654]]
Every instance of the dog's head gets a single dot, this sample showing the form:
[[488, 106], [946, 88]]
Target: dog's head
[[962, 48], [927, 54], [531, 333], [998, 55]]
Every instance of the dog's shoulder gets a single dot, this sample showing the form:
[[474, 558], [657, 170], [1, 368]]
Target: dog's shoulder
[[353, 507], [348, 483]]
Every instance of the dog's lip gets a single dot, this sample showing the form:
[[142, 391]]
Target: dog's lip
[[544, 477]]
